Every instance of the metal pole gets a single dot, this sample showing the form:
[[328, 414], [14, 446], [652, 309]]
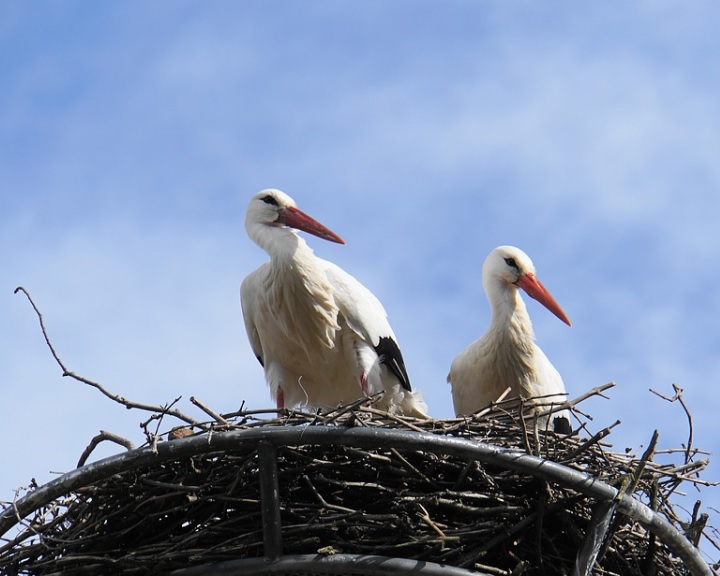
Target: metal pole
[[270, 500], [350, 564]]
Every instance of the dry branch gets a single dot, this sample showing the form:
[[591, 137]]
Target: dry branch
[[109, 436], [129, 404]]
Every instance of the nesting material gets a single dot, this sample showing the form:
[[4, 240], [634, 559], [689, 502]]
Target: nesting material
[[395, 502]]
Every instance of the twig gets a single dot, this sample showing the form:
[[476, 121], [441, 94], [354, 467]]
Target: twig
[[494, 404], [646, 457], [153, 436], [557, 406], [425, 517], [685, 467], [209, 411], [648, 562], [594, 440], [393, 418], [523, 425], [129, 404], [411, 467], [678, 397], [597, 391], [694, 528], [338, 412], [110, 437], [322, 500]]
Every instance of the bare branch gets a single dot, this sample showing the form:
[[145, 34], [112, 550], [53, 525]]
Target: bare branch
[[109, 436], [645, 458], [42, 327], [208, 411], [678, 397], [558, 406], [129, 404], [591, 441]]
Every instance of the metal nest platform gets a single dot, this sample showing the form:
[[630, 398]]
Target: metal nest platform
[[359, 493]]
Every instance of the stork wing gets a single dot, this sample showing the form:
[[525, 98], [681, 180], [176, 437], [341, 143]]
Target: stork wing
[[553, 390], [549, 382], [366, 316], [249, 294]]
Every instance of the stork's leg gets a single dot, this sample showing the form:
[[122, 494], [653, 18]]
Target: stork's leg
[[362, 373], [280, 399], [364, 384]]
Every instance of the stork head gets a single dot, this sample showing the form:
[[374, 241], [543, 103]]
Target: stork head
[[275, 209], [510, 267]]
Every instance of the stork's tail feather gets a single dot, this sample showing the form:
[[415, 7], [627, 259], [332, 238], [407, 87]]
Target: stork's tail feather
[[413, 405], [561, 425], [397, 400]]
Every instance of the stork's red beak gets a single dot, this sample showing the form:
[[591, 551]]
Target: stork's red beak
[[535, 289], [296, 218]]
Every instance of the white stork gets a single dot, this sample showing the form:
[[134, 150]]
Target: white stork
[[506, 355], [322, 338]]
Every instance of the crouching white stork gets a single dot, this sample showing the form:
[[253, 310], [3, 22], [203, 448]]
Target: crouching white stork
[[506, 355], [322, 338]]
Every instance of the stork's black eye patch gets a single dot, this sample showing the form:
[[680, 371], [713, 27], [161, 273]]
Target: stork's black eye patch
[[511, 262], [270, 200]]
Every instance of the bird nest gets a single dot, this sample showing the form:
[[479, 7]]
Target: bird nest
[[488, 493]]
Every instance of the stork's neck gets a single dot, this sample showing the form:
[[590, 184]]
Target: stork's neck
[[296, 290], [281, 243], [510, 320]]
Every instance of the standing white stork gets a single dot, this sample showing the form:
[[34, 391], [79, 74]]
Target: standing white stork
[[506, 355], [322, 338]]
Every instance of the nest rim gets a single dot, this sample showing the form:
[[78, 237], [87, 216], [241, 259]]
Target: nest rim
[[360, 437]]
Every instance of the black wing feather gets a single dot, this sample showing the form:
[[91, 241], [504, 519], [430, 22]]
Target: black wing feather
[[561, 425], [390, 355]]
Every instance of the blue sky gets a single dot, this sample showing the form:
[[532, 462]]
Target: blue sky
[[132, 136]]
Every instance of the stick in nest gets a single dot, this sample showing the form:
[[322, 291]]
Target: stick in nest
[[114, 397], [100, 438], [678, 398]]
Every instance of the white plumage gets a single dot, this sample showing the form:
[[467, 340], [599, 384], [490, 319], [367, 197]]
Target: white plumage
[[321, 336], [506, 355]]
